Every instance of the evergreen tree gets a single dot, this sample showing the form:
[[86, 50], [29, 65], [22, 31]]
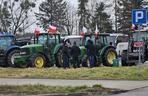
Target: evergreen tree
[[52, 12], [124, 17], [102, 19], [83, 14]]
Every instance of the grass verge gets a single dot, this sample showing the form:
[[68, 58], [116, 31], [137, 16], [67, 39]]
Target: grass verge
[[41, 89], [108, 73]]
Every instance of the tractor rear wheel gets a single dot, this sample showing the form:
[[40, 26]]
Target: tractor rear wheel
[[108, 57], [38, 61], [10, 57], [59, 58], [86, 62]]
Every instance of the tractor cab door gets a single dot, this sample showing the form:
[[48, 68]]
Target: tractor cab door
[[101, 41]]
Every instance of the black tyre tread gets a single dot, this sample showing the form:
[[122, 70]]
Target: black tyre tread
[[123, 60], [9, 55], [104, 59], [56, 58]]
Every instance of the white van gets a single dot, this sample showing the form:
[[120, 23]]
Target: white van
[[77, 38], [120, 41]]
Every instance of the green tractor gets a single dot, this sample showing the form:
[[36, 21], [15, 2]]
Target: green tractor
[[105, 52], [131, 55], [43, 53]]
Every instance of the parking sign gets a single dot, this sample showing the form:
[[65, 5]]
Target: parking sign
[[139, 16]]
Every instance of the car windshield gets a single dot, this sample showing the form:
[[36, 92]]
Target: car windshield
[[140, 36], [5, 42]]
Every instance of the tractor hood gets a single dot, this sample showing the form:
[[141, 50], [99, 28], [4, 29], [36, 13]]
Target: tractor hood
[[32, 45]]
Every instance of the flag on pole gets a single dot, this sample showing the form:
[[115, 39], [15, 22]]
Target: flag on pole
[[52, 29], [97, 30], [37, 31], [84, 29]]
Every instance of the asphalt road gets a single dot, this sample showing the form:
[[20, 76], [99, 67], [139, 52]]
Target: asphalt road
[[119, 84], [137, 92]]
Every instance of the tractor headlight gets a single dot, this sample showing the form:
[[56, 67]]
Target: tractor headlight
[[24, 51]]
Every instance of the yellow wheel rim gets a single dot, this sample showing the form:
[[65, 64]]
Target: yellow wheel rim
[[110, 57], [39, 62]]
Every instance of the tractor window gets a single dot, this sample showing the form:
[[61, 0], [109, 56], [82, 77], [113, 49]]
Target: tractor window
[[42, 39], [5, 42], [143, 36], [100, 41]]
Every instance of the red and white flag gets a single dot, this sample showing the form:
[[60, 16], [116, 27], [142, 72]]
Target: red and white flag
[[97, 30], [84, 29], [37, 31], [52, 29]]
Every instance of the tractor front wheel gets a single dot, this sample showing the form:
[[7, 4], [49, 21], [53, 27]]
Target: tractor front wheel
[[108, 57], [59, 58], [38, 61]]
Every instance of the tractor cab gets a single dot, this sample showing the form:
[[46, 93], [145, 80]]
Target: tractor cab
[[48, 40], [6, 41]]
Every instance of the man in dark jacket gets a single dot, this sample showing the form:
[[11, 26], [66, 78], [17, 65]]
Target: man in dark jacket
[[66, 54], [91, 52], [75, 52]]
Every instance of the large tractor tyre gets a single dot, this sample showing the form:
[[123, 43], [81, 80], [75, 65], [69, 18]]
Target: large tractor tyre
[[59, 58], [38, 61], [108, 57], [21, 65], [10, 57], [124, 58]]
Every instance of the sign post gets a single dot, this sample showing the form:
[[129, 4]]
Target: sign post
[[139, 16]]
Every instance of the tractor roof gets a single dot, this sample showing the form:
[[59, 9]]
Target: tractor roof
[[7, 35], [57, 33]]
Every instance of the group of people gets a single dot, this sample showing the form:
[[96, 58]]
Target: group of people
[[73, 52]]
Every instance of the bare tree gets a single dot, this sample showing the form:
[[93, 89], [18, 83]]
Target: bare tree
[[71, 20], [19, 10]]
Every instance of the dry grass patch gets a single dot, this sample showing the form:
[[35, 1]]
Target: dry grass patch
[[109, 73]]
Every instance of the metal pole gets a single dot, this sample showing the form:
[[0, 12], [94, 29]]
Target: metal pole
[[116, 16], [139, 47]]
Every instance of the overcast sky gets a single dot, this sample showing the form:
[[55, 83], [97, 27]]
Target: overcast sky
[[73, 3]]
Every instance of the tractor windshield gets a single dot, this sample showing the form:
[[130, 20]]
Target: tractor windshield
[[5, 42], [48, 39], [140, 37]]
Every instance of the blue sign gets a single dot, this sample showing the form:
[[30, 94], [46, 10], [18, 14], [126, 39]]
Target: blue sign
[[139, 16]]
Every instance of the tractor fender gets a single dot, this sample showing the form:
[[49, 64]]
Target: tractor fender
[[56, 49], [83, 51], [11, 48], [105, 48]]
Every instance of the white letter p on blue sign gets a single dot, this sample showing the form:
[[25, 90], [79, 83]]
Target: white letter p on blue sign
[[139, 16]]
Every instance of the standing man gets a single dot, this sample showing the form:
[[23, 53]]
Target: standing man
[[75, 52], [66, 54], [91, 52]]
